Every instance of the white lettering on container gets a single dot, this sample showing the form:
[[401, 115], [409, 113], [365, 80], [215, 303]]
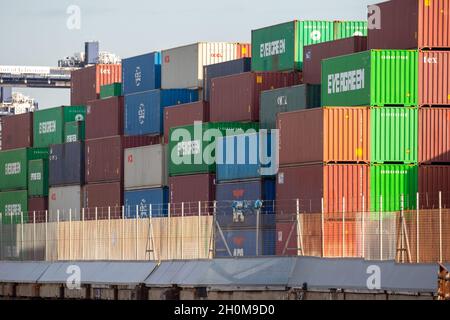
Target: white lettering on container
[[188, 148], [346, 81], [12, 168], [47, 127], [273, 48]]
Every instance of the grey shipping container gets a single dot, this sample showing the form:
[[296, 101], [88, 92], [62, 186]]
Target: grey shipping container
[[66, 164], [65, 200], [286, 99], [145, 167]]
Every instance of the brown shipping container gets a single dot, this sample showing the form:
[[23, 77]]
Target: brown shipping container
[[314, 54], [17, 131], [191, 189], [184, 114], [107, 112], [434, 78], [310, 183], [432, 180], [104, 157], [37, 208], [335, 134], [237, 97], [410, 24], [103, 196], [434, 135], [86, 82]]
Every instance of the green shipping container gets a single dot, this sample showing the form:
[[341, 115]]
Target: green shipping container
[[192, 148], [49, 124], [38, 178], [348, 29], [280, 47], [371, 78], [391, 182], [14, 166], [74, 131], [12, 205], [111, 90], [394, 135]]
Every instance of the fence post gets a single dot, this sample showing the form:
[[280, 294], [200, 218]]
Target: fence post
[[70, 234], [258, 216], [123, 233], [34, 235], [46, 235], [96, 233], [21, 235], [169, 226], [299, 231], [109, 233], [1, 237], [380, 224], [323, 229], [402, 232], [440, 226], [417, 230], [57, 235], [363, 222], [213, 231], [136, 231], [198, 228], [343, 227], [83, 234], [182, 230]]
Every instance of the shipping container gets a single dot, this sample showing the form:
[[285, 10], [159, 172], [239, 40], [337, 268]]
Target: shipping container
[[74, 131], [49, 124], [237, 97], [37, 210], [14, 207], [103, 201], [434, 135], [12, 137], [314, 54], [245, 243], [14, 166], [394, 135], [187, 191], [342, 186], [148, 202], [183, 115], [192, 148], [141, 73], [326, 135], [410, 24], [86, 82], [104, 118], [65, 203], [432, 180], [182, 67], [347, 29], [223, 69], [66, 164], [38, 178], [434, 73], [371, 78], [144, 112], [146, 167], [111, 90]]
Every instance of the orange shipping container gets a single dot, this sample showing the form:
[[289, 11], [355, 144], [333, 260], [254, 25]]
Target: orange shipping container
[[434, 135], [434, 78]]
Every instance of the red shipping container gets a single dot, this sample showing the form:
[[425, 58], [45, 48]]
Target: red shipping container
[[342, 242], [17, 131], [432, 180], [434, 78], [237, 97], [190, 190], [106, 197], [410, 24], [244, 50], [86, 82], [314, 54], [104, 118], [184, 114], [37, 208], [434, 135]]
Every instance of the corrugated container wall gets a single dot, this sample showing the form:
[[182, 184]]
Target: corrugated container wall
[[17, 131], [245, 243], [74, 131], [434, 78], [37, 208], [65, 200], [38, 178], [347, 29], [237, 97], [182, 67], [432, 180], [109, 113], [14, 207], [66, 165], [141, 73], [103, 201], [148, 202], [434, 135], [111, 90]]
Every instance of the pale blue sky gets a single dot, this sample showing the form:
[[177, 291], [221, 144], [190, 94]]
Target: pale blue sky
[[35, 33]]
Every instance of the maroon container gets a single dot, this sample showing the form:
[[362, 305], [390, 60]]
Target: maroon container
[[17, 131], [432, 180], [104, 118], [434, 135], [314, 54], [106, 197], [37, 208], [190, 190], [237, 97], [183, 115]]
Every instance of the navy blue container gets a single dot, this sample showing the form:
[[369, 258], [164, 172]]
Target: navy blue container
[[157, 198], [144, 111], [221, 70], [66, 164], [91, 50], [242, 243], [6, 94], [141, 73]]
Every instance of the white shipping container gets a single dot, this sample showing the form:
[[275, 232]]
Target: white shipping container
[[65, 199], [145, 167], [182, 67]]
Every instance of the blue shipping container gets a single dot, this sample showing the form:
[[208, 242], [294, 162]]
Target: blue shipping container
[[221, 70], [91, 50], [66, 164], [157, 198], [6, 94], [141, 73], [243, 243], [144, 111]]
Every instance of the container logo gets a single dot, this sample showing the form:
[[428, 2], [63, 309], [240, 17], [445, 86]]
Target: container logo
[[282, 101], [138, 76], [281, 178], [47, 127], [12, 168], [79, 117], [130, 158], [308, 55], [141, 114], [431, 60], [346, 81], [167, 59], [238, 193], [316, 35], [188, 148], [272, 48], [216, 55], [36, 176], [71, 138], [143, 209], [105, 71], [13, 209]]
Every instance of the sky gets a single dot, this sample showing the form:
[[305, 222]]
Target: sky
[[36, 33]]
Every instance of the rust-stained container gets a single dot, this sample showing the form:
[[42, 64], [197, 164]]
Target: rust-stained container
[[17, 131], [86, 82], [103, 196], [333, 183], [190, 190], [104, 118], [37, 208], [314, 54], [183, 115], [335, 134], [434, 135], [410, 24], [434, 78], [432, 180], [237, 97]]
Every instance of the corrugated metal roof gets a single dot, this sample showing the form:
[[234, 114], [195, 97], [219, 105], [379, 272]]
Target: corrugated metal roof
[[22, 272]]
